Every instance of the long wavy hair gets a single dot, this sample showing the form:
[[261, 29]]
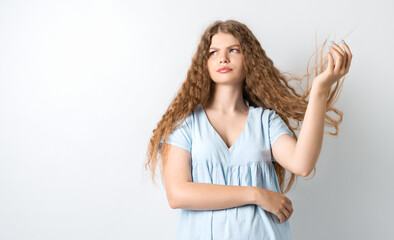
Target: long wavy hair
[[264, 86]]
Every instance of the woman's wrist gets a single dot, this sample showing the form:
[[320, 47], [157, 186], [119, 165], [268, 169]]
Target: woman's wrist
[[255, 194], [319, 90]]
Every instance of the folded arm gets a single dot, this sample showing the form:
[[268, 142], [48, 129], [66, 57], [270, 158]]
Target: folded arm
[[183, 193]]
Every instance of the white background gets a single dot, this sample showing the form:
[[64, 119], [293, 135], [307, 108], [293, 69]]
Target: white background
[[84, 83]]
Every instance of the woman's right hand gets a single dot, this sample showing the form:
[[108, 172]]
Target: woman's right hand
[[274, 202]]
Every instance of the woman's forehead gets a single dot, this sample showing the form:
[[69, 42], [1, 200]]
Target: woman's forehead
[[221, 40]]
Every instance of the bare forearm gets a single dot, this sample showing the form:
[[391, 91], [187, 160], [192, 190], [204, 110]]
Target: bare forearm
[[310, 140], [206, 196]]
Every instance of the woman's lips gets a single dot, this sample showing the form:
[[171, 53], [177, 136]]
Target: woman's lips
[[224, 69]]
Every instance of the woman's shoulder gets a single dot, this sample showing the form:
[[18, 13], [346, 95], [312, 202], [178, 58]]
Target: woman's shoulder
[[263, 110], [265, 114], [192, 116], [258, 110]]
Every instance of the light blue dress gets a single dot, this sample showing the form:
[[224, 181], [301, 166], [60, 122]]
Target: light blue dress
[[248, 162]]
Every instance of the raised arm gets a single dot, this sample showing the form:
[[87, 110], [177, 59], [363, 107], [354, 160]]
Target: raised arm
[[300, 156]]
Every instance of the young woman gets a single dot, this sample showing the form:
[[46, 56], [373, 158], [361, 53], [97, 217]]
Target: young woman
[[226, 141]]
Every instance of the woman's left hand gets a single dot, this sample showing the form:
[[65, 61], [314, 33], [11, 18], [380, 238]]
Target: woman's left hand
[[335, 70]]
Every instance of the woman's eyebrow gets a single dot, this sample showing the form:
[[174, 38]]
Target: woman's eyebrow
[[234, 45]]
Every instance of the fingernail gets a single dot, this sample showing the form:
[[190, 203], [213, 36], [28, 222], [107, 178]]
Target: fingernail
[[332, 42], [343, 41], [330, 47]]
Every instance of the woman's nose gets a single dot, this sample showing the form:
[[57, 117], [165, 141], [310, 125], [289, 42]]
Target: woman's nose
[[224, 59]]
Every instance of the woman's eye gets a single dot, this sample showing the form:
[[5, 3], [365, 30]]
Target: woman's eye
[[231, 51]]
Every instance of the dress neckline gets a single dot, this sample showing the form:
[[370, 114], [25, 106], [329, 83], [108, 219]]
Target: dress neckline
[[218, 135]]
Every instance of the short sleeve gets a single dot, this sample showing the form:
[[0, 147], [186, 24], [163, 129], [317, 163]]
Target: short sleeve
[[180, 136], [276, 128]]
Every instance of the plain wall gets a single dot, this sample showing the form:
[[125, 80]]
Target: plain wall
[[84, 83]]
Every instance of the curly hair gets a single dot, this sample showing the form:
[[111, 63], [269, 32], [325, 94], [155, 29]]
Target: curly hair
[[265, 86]]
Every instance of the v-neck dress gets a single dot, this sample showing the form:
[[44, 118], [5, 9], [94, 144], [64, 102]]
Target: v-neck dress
[[248, 162]]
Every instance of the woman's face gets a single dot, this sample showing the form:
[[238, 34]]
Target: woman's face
[[225, 62]]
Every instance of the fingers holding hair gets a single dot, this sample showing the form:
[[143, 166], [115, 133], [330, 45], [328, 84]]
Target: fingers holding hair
[[343, 57], [338, 65], [348, 55]]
